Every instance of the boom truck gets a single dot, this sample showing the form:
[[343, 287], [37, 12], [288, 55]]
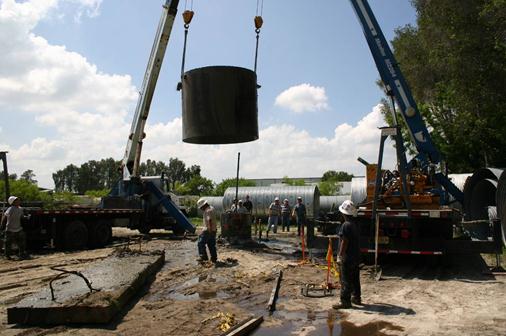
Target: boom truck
[[407, 211], [138, 202]]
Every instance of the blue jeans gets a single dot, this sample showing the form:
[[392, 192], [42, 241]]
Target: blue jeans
[[300, 224], [285, 222], [273, 222], [207, 238]]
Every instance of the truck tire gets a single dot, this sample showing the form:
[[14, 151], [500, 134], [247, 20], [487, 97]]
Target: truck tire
[[75, 236], [178, 231], [99, 233], [144, 229]]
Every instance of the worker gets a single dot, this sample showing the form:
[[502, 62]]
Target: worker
[[299, 212], [13, 230], [241, 208], [285, 215], [248, 204], [274, 214], [208, 234], [349, 254]]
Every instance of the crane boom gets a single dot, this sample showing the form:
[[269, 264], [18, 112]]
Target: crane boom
[[396, 85], [131, 160]]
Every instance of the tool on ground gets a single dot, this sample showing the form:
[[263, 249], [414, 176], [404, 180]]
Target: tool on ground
[[316, 290]]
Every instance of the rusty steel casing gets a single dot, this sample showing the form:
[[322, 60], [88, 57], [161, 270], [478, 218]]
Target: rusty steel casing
[[220, 105]]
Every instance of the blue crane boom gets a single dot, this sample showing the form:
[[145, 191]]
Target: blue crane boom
[[396, 85]]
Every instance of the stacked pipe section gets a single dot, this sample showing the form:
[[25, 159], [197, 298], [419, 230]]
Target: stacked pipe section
[[501, 203], [480, 193]]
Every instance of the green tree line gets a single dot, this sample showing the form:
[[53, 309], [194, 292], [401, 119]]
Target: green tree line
[[454, 60]]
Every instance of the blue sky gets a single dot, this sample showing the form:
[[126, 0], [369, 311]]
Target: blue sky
[[82, 118]]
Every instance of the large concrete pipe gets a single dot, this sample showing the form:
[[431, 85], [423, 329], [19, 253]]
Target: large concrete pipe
[[501, 204]]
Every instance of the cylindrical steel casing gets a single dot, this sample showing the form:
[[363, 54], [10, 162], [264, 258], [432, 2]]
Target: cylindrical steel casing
[[262, 197], [220, 105], [358, 190], [332, 203]]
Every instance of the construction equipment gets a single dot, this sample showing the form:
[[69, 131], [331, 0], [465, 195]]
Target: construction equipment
[[410, 203], [148, 193]]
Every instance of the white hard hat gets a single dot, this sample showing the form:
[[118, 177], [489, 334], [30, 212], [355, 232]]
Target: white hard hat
[[348, 208], [12, 199], [285, 200], [201, 202], [240, 201], [276, 199]]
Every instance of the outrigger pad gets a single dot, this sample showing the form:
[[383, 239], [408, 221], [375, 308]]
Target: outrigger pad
[[220, 105], [114, 280]]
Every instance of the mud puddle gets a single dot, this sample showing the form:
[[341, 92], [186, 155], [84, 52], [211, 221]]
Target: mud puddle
[[332, 323], [202, 287]]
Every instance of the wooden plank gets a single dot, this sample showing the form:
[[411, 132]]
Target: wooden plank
[[271, 305], [246, 327]]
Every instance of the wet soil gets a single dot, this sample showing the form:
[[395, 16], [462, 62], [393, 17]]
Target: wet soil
[[415, 296]]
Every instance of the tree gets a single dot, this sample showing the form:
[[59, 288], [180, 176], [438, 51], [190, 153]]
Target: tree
[[331, 182], [332, 175], [25, 190], [197, 185], [293, 182], [454, 61], [231, 182], [29, 176], [176, 171]]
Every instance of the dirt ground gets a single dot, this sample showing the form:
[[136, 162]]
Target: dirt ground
[[415, 296]]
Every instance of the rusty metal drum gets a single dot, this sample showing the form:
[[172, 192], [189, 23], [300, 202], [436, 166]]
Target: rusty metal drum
[[220, 105], [235, 226]]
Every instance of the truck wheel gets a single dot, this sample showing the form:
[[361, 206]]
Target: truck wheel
[[99, 233], [178, 231], [144, 229], [75, 236]]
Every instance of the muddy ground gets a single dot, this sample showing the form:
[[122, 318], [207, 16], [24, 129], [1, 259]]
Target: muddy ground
[[417, 295]]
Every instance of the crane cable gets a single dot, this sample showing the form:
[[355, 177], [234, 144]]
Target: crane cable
[[258, 25], [187, 18]]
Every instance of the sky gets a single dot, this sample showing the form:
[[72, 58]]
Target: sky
[[70, 71]]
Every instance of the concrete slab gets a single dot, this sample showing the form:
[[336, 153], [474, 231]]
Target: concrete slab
[[117, 278]]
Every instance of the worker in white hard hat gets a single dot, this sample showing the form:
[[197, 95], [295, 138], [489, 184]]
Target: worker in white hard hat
[[349, 254], [208, 234], [285, 215], [299, 212], [274, 214], [14, 233]]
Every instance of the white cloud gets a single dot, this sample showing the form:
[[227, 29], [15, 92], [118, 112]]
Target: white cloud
[[281, 150], [86, 110], [303, 98]]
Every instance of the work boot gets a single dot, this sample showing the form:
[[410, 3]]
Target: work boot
[[342, 305], [356, 301]]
